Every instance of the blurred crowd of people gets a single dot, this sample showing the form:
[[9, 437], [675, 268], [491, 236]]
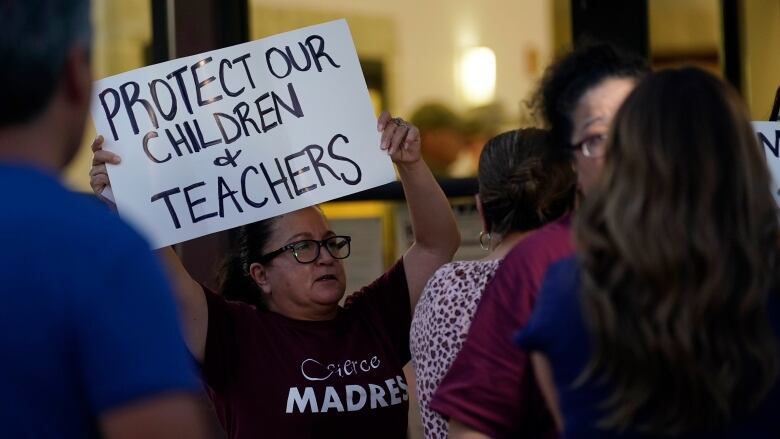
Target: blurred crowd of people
[[454, 141]]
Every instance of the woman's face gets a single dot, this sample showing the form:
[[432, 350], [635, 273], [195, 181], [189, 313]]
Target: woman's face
[[301, 291], [591, 119]]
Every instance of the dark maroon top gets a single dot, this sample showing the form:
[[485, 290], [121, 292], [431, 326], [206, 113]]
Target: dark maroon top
[[490, 386], [271, 376]]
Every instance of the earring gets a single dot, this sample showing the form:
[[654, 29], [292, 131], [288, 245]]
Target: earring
[[481, 241]]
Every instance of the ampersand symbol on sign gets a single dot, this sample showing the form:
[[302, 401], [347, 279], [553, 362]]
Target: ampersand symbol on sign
[[227, 159]]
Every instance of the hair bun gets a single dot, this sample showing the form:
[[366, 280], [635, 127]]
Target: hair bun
[[520, 187], [523, 181]]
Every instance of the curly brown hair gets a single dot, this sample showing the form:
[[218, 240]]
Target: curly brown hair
[[679, 249], [568, 78]]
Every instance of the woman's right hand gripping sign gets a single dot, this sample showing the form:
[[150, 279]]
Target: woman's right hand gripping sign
[[98, 175], [400, 139]]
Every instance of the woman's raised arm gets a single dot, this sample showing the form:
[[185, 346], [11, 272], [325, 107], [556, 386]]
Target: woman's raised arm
[[436, 236]]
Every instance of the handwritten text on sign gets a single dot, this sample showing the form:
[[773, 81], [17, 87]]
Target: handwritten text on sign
[[769, 139], [228, 137]]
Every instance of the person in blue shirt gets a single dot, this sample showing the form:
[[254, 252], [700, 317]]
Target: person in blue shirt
[[667, 322], [89, 339]]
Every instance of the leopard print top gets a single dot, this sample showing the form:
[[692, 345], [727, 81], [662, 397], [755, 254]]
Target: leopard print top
[[439, 328]]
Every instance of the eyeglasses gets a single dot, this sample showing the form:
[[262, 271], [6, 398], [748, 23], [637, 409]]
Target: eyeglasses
[[592, 146], [308, 250]]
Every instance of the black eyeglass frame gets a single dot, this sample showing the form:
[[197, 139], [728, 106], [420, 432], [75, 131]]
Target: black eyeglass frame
[[583, 147], [320, 243]]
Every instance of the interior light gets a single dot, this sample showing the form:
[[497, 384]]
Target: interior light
[[477, 74]]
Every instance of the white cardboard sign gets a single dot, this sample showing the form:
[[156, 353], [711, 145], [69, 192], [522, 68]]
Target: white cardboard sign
[[769, 139], [232, 136]]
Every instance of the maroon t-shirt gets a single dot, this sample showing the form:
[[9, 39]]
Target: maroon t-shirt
[[490, 386], [271, 376]]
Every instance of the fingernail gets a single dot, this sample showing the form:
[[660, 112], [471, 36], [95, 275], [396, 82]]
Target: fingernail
[[116, 160]]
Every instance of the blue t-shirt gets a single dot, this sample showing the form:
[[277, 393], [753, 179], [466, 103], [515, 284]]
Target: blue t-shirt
[[87, 319], [557, 329]]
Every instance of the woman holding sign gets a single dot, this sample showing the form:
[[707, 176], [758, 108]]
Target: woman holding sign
[[295, 363]]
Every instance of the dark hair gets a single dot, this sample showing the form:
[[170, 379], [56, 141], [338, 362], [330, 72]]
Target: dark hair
[[521, 186], [679, 249], [234, 280], [35, 36], [565, 81]]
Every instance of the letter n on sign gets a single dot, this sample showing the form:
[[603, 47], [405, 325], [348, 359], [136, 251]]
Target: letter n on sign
[[768, 135]]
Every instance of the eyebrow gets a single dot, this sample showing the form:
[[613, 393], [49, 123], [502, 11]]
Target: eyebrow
[[592, 120], [298, 236], [307, 235]]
